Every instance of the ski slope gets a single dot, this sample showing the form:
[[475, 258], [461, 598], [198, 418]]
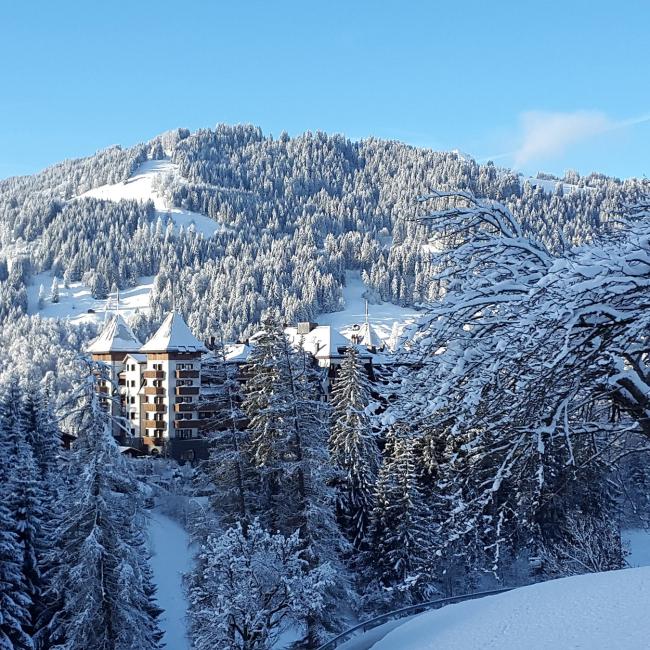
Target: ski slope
[[171, 559], [597, 611], [76, 301], [139, 187], [383, 317]]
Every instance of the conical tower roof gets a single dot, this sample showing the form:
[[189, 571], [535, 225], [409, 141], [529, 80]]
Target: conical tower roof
[[116, 336], [173, 336], [369, 336]]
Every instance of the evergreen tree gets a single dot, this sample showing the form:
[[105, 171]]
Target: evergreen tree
[[14, 601], [54, 292], [100, 594], [352, 448], [288, 433], [400, 538]]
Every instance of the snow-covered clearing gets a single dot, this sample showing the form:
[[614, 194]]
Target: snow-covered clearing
[[382, 317], [171, 559], [598, 611], [139, 187], [75, 302]]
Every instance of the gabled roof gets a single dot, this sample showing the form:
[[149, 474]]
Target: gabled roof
[[173, 336], [116, 336], [322, 342]]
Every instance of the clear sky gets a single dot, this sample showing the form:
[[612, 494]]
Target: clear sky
[[537, 85]]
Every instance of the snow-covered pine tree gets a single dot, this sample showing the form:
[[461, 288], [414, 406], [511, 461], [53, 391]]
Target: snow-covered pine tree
[[54, 291], [229, 469], [100, 594], [399, 558], [352, 448], [14, 601], [288, 433]]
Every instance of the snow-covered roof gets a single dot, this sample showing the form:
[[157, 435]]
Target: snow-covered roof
[[322, 342], [136, 356], [116, 336], [173, 336], [237, 352]]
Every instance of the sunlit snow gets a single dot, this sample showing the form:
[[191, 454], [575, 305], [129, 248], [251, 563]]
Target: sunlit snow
[[77, 303], [139, 187]]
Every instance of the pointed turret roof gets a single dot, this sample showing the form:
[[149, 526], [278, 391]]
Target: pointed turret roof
[[116, 336], [173, 336], [369, 336]]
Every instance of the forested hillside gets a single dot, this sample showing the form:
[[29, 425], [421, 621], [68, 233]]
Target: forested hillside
[[297, 213]]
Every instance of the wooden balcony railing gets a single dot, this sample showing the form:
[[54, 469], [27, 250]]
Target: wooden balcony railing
[[187, 374], [155, 408], [183, 408], [186, 424], [154, 374], [187, 390], [154, 390]]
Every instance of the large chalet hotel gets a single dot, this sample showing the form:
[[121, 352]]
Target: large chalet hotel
[[153, 391]]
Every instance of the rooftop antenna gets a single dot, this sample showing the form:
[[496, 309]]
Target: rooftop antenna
[[118, 301], [366, 311], [173, 297]]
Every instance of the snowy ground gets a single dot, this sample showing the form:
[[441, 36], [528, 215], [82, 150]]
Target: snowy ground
[[75, 302], [598, 611], [171, 559], [139, 187], [382, 317]]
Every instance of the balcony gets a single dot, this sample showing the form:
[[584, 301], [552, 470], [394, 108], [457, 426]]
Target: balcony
[[186, 424], [184, 408], [102, 390], [155, 408], [154, 390], [155, 424], [154, 374], [187, 374], [187, 390]]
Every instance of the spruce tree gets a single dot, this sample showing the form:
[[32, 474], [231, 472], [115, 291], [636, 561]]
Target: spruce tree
[[352, 448], [100, 594], [400, 536], [14, 601]]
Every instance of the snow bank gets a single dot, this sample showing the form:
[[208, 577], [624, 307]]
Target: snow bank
[[170, 561], [139, 187], [598, 611]]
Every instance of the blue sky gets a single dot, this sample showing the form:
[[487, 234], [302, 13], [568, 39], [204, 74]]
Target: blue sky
[[540, 86]]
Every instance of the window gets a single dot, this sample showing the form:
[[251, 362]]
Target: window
[[132, 415], [132, 400], [133, 383], [188, 455]]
